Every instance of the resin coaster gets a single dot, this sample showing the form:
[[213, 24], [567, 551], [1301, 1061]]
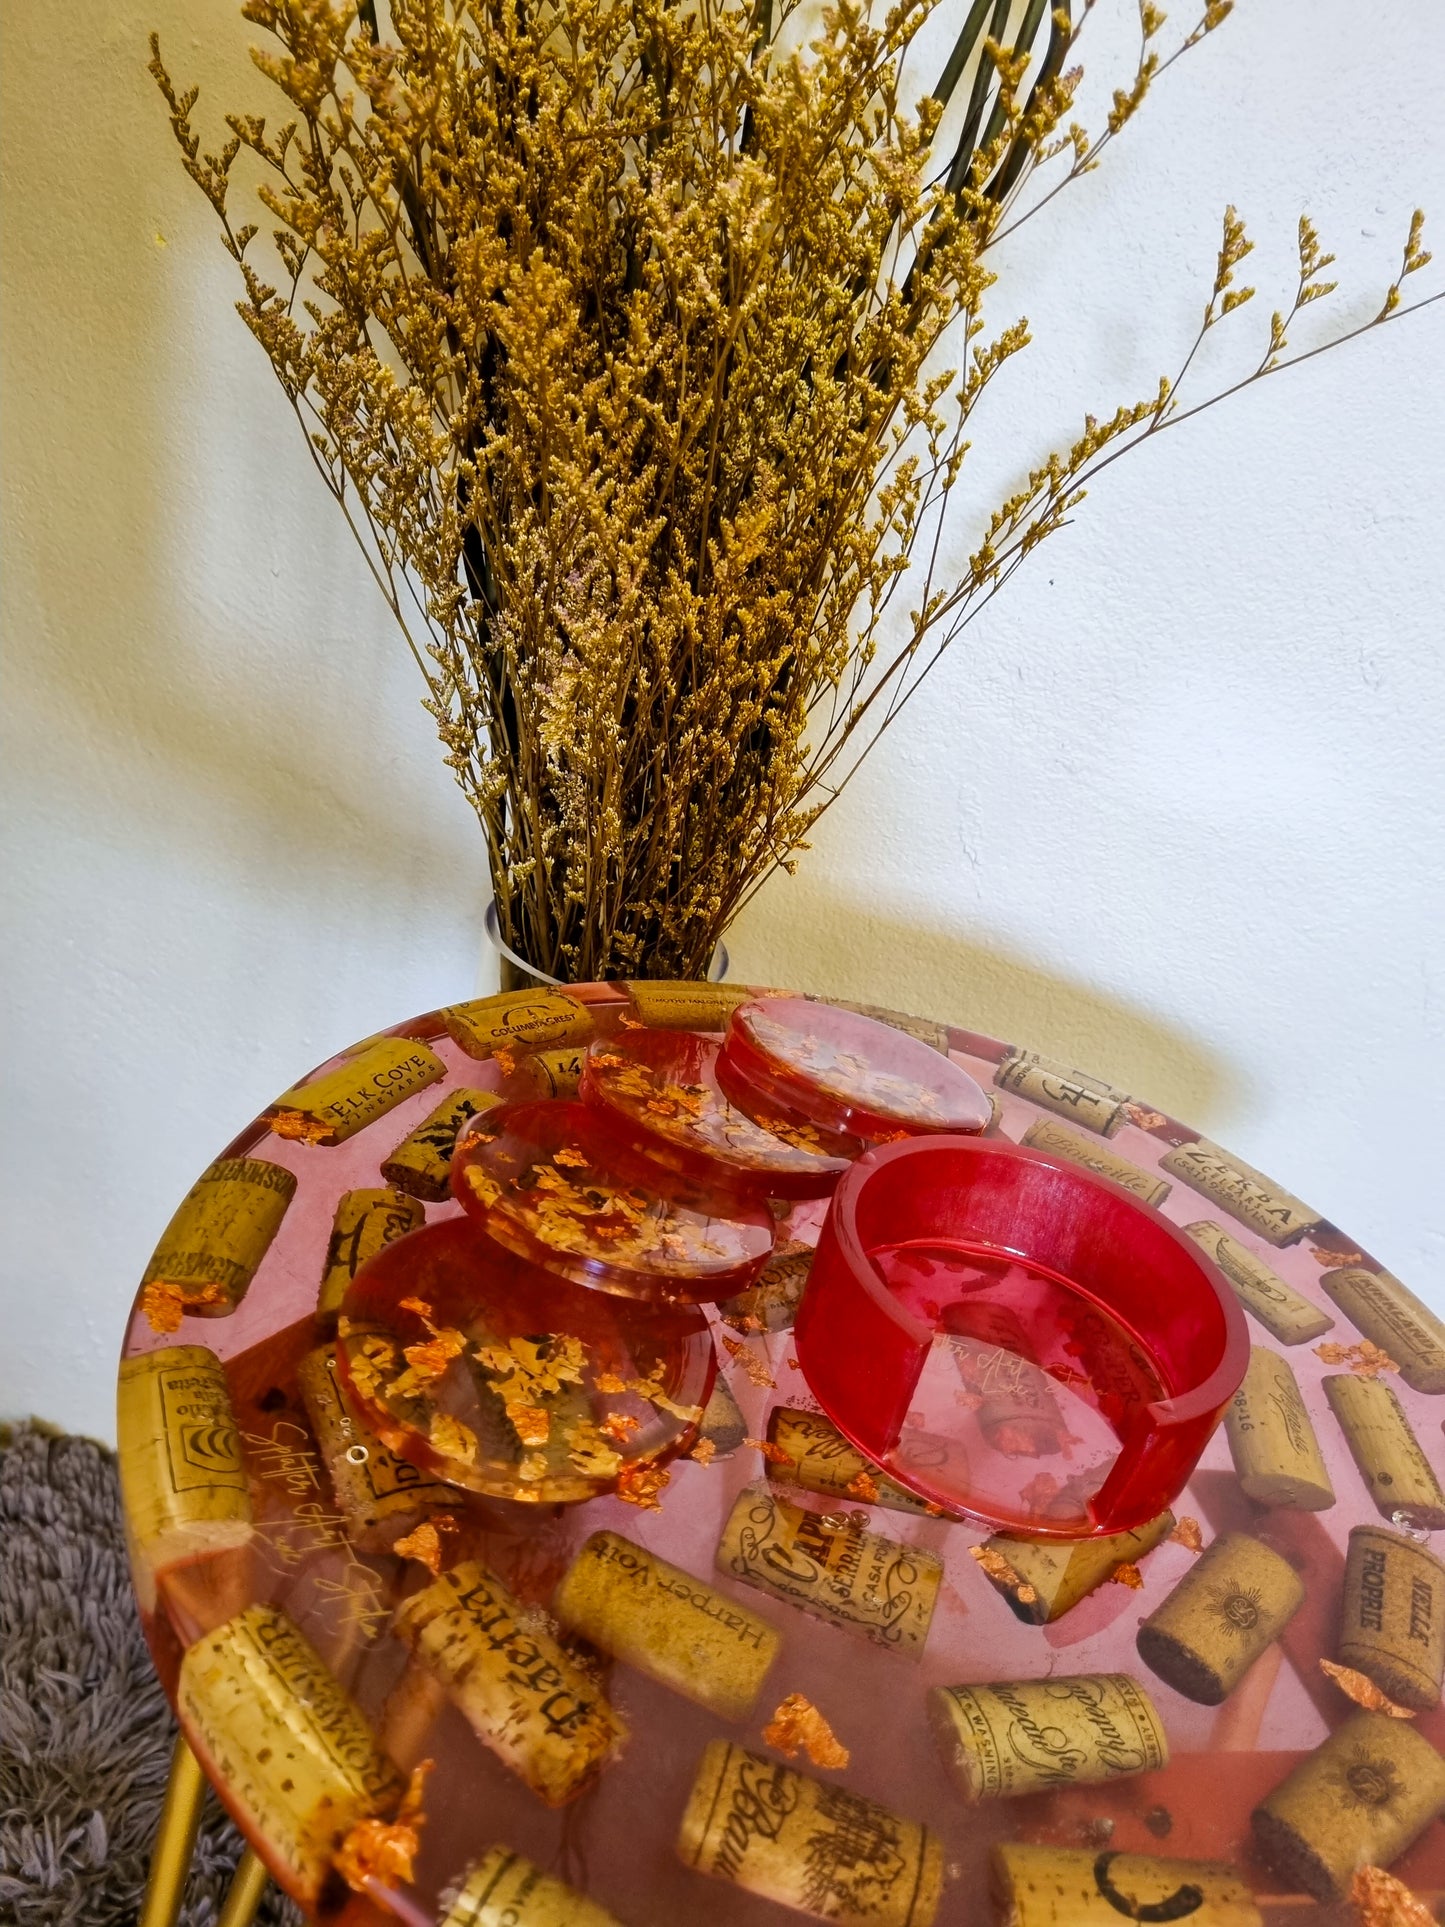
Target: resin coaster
[[659, 1091], [550, 1183], [491, 1375], [844, 1072]]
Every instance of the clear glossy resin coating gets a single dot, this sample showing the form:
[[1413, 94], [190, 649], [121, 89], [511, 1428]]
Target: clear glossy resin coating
[[1015, 1338], [550, 1182], [841, 1071], [659, 1090], [259, 1501], [491, 1375]]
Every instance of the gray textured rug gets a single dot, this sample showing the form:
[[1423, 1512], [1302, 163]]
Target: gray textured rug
[[85, 1732]]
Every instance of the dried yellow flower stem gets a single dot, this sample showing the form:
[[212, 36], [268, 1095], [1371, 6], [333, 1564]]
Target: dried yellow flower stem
[[618, 329]]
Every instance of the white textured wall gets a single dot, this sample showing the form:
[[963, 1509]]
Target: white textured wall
[[1172, 810]]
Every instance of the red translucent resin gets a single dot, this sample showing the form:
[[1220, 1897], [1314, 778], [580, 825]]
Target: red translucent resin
[[1014, 1338], [659, 1091], [552, 1183], [810, 1063], [493, 1376]]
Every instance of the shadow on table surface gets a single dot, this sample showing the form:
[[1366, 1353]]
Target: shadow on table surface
[[811, 937]]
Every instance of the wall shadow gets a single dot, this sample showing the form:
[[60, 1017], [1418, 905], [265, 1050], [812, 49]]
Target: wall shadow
[[807, 933], [188, 619]]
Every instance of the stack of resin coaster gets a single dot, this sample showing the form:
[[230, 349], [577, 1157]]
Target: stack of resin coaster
[[550, 1345]]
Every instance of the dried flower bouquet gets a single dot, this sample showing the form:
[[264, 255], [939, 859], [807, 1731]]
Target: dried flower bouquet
[[639, 342]]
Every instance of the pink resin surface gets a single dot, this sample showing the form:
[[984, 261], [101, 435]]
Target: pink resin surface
[[617, 1842]]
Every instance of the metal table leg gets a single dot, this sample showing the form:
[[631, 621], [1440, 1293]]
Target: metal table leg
[[245, 1893], [175, 1837]]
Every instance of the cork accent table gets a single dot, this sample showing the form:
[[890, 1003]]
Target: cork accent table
[[625, 1746]]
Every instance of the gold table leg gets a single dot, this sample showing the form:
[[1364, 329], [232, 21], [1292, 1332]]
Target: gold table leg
[[175, 1837], [245, 1893]]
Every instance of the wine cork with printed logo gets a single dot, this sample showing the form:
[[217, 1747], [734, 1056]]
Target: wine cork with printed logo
[[1035, 1735], [1401, 1479], [1083, 1100], [846, 1574], [821, 1460], [1077, 1887], [275, 1730], [377, 1493], [808, 1845], [518, 1020], [182, 1471], [1273, 1444], [554, 1073], [504, 1890], [522, 1695], [667, 1624], [365, 1222], [687, 1006], [1392, 1616], [1357, 1801], [333, 1107], [771, 1305], [222, 1229], [1232, 1603], [1246, 1194], [1378, 1305], [1043, 1578], [1044, 1135], [421, 1165], [1285, 1315]]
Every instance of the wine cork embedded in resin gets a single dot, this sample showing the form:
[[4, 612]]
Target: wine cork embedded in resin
[[1076, 1887], [687, 1006], [771, 1305], [210, 1250], [1285, 1315], [1043, 1578], [520, 1692], [1401, 1479], [723, 1426], [821, 1460], [517, 1020], [1393, 1318], [1083, 1100], [421, 1165], [1237, 1598], [1246, 1194], [846, 1574], [1357, 1801], [504, 1890], [182, 1471], [1392, 1617], [667, 1624], [275, 1729], [553, 1073], [1060, 1141], [927, 1030], [1032, 1736], [807, 1845], [376, 1492], [1273, 1444], [365, 1221], [335, 1106]]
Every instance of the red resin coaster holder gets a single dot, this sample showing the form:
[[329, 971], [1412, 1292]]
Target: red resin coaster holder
[[1016, 1339], [491, 1375], [808, 1063], [551, 1183], [659, 1091]]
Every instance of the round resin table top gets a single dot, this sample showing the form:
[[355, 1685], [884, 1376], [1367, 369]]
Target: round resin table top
[[739, 1671]]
